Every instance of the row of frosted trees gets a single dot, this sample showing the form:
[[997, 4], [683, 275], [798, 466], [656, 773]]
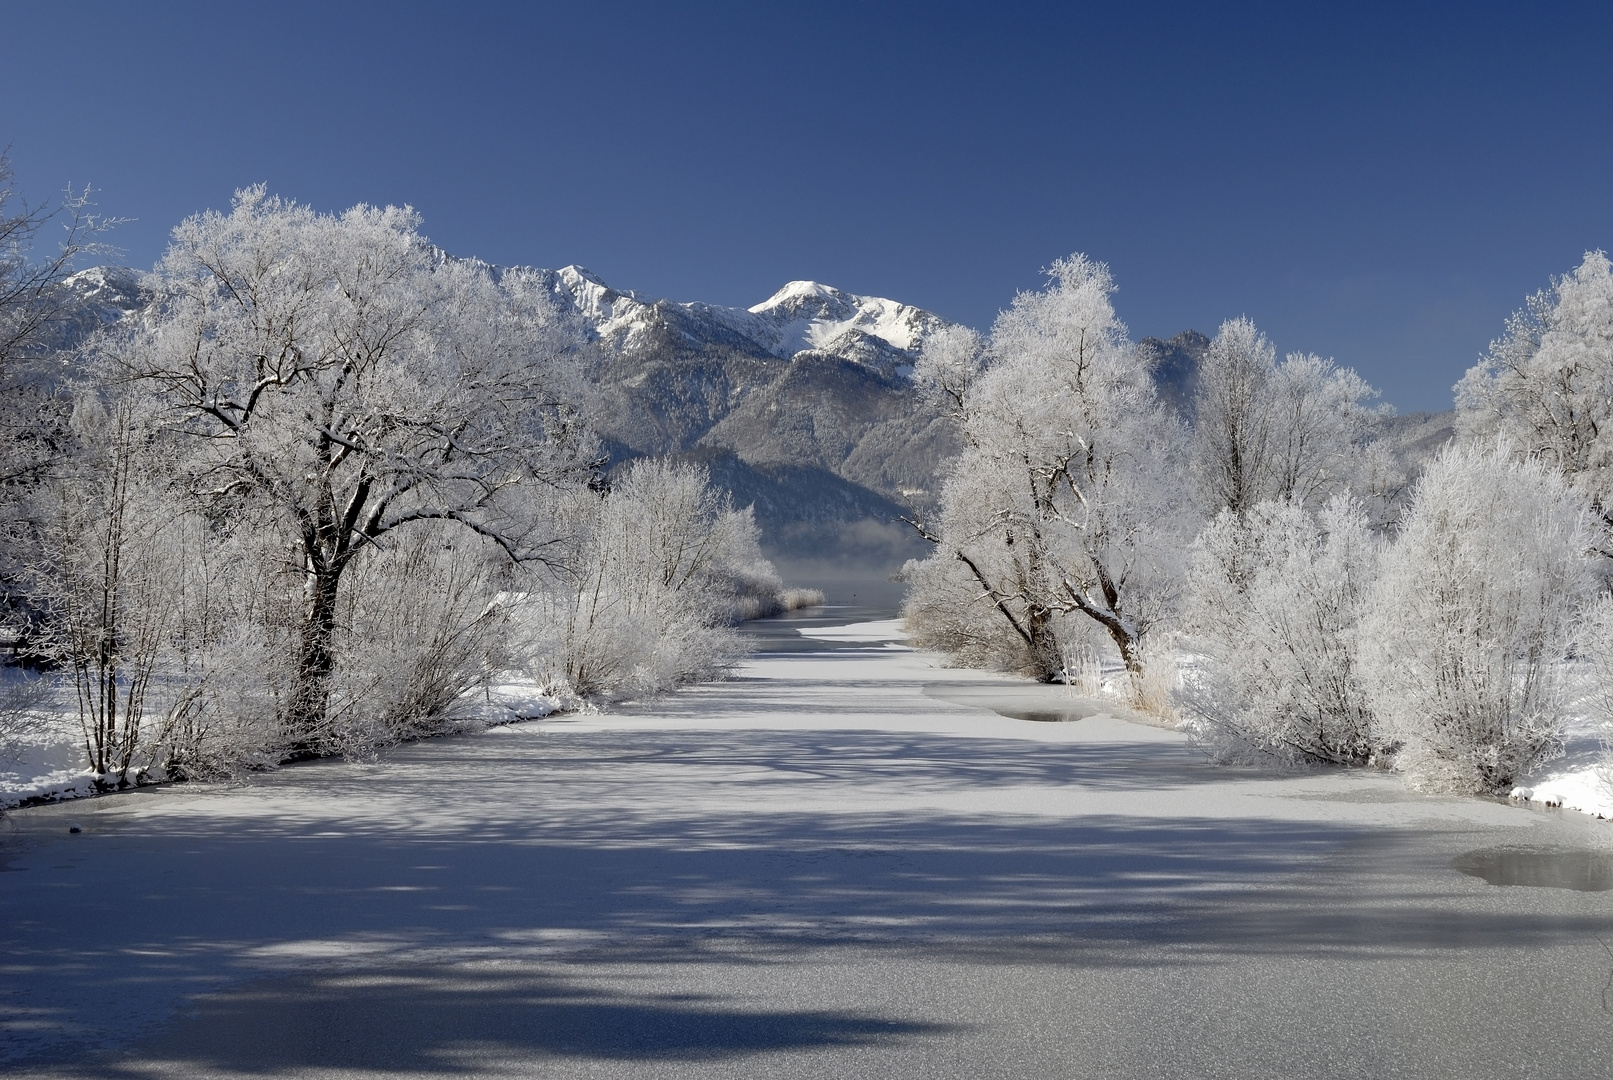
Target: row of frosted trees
[[1264, 541], [322, 486]]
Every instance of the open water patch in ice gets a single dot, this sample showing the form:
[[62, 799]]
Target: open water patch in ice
[[1584, 871], [825, 628], [1041, 703]]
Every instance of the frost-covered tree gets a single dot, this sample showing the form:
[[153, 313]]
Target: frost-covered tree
[[1473, 617], [1546, 386], [30, 298], [33, 409], [948, 367], [1274, 600], [109, 606], [338, 380], [1066, 500], [1299, 430], [1323, 432], [1234, 415]]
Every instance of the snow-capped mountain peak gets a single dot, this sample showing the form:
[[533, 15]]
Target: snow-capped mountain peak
[[594, 300], [799, 296], [114, 287], [803, 315], [809, 315]]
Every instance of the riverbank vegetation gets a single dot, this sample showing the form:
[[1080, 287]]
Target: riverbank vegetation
[[1311, 596], [322, 486]]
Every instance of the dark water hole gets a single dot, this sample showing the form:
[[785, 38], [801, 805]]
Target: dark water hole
[[1039, 703], [1585, 871], [1040, 716]]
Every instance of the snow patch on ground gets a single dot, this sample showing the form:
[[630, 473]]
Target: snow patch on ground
[[41, 745], [46, 758], [1579, 780], [511, 698], [17, 788]]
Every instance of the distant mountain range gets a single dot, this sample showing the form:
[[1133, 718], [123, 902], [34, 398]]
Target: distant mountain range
[[801, 406]]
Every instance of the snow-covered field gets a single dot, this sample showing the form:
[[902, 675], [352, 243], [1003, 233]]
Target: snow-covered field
[[847, 862]]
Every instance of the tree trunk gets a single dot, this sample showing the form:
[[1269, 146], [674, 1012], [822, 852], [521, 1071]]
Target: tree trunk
[[310, 696], [1044, 646], [1130, 650]]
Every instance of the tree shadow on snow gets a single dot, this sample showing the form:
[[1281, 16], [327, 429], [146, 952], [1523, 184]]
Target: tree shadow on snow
[[442, 1019]]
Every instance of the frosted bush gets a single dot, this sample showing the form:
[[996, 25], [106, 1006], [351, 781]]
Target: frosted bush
[[1153, 689], [24, 696], [1472, 620], [662, 567], [417, 631], [1273, 602], [945, 612], [1594, 653]]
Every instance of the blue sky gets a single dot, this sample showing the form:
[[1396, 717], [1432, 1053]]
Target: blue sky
[[1379, 185]]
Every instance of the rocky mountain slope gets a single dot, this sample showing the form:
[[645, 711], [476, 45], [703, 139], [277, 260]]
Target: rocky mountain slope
[[801, 406], [1175, 365]]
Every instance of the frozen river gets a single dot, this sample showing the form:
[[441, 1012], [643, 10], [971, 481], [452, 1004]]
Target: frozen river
[[842, 863]]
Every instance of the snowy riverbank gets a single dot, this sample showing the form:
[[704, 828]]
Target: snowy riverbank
[[47, 764]]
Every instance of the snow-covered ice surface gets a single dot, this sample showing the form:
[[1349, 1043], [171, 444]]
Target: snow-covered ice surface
[[838, 863], [507, 700], [882, 630]]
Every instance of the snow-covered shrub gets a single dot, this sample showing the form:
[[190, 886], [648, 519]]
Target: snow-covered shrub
[[108, 584], [796, 598], [1473, 617], [759, 592], [230, 667], [23, 694], [759, 599], [140, 613], [1154, 689], [1593, 650], [661, 567], [944, 610], [1274, 597]]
